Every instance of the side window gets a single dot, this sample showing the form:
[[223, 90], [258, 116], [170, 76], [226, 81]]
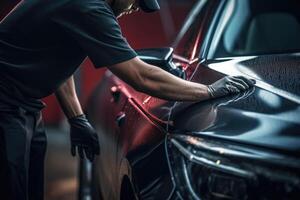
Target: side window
[[253, 27]]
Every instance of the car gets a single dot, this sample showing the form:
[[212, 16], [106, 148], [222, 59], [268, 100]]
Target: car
[[243, 146]]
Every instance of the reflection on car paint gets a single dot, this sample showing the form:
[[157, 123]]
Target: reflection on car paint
[[236, 67]]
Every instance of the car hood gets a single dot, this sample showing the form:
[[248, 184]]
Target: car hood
[[267, 115]]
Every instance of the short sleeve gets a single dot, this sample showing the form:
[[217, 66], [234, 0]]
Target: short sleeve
[[94, 27]]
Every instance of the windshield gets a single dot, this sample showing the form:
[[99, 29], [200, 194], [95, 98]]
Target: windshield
[[252, 27]]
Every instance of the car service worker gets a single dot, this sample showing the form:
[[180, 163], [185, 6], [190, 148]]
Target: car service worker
[[42, 43]]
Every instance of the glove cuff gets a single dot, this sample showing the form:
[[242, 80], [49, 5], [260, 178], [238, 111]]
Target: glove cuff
[[210, 91], [77, 118]]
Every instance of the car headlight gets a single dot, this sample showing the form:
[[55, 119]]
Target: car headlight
[[206, 169]]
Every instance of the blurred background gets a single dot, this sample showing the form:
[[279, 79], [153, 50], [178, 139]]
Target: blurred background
[[142, 31]]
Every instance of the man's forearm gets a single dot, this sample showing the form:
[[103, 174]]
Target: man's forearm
[[158, 83], [162, 84], [68, 100]]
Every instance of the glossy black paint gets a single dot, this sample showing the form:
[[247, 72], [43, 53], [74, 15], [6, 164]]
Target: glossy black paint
[[260, 116], [262, 123], [244, 146]]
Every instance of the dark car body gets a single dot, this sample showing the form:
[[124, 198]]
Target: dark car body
[[243, 146]]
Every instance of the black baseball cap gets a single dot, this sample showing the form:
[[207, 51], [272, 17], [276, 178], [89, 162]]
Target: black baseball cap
[[149, 5]]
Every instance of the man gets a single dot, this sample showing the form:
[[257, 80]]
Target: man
[[41, 45]]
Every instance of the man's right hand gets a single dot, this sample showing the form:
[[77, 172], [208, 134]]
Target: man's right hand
[[229, 85]]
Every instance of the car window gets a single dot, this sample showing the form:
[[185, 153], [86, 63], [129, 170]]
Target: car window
[[252, 27]]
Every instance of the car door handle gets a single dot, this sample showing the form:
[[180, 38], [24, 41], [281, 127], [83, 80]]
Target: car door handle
[[120, 119], [116, 93]]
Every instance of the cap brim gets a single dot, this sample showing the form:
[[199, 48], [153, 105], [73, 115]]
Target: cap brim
[[149, 5]]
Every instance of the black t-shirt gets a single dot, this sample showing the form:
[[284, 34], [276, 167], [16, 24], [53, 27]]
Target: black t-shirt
[[42, 43]]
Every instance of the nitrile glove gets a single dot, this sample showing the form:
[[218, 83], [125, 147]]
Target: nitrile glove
[[83, 137], [229, 85]]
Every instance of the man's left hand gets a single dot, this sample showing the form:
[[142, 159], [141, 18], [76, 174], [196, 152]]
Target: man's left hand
[[84, 138]]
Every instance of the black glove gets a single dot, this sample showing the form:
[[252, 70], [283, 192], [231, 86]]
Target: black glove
[[84, 137], [230, 85]]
